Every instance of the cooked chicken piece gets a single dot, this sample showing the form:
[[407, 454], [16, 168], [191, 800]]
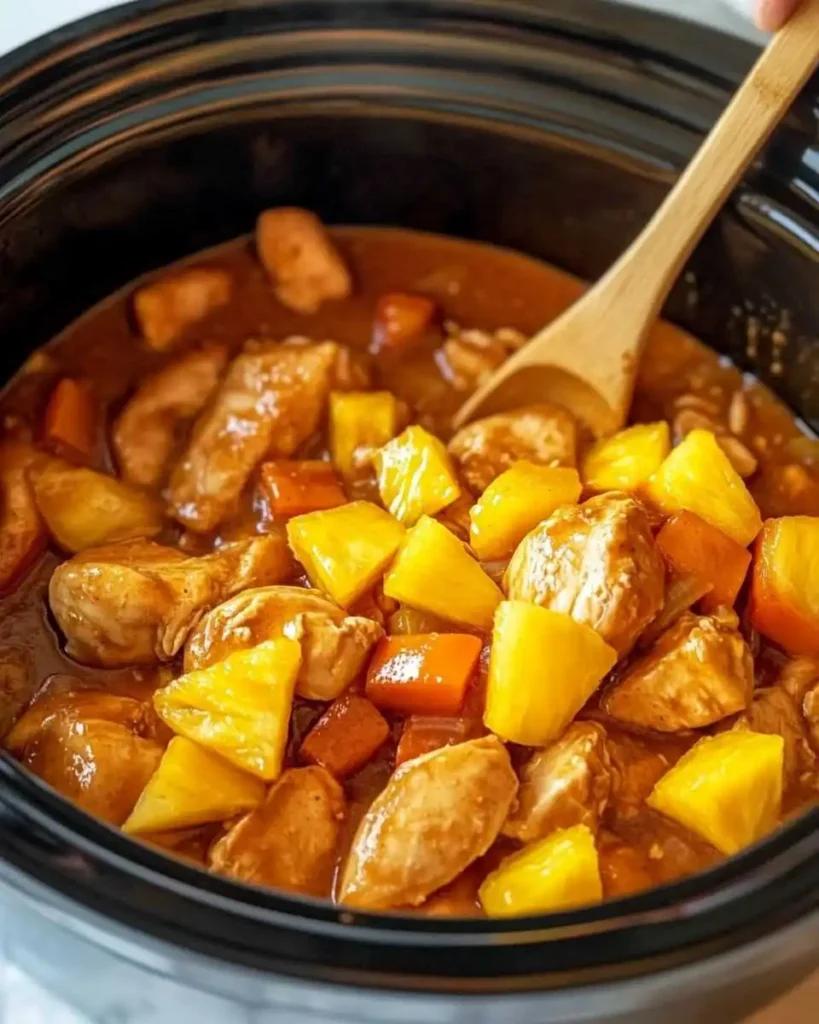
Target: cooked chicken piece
[[597, 562], [22, 533], [334, 645], [438, 813], [100, 765], [567, 783], [797, 676], [637, 765], [810, 709], [269, 403], [135, 603], [166, 308], [545, 434], [303, 263], [773, 712], [668, 850], [623, 870], [459, 898], [698, 672], [145, 434], [289, 842]]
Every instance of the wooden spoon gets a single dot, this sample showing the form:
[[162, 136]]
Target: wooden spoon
[[587, 359]]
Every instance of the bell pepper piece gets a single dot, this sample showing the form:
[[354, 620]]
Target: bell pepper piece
[[294, 487], [400, 320], [346, 736]]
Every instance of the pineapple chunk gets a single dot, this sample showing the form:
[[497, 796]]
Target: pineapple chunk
[[345, 550], [435, 573], [555, 873], [515, 502], [85, 509], [625, 461], [543, 668], [727, 788], [239, 707], [699, 477], [416, 476], [192, 786], [360, 422]]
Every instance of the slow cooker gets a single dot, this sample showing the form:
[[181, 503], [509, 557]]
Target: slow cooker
[[554, 127]]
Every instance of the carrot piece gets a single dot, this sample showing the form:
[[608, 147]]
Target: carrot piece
[[784, 601], [68, 424], [424, 673], [293, 488], [693, 547], [346, 736], [400, 320], [422, 734]]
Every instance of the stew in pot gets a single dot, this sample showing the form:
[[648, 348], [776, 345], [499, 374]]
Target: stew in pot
[[264, 610]]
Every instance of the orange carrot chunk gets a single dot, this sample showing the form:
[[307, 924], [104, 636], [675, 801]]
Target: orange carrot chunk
[[295, 487], [423, 674], [422, 734], [345, 737], [68, 425], [785, 584], [400, 320], [692, 547]]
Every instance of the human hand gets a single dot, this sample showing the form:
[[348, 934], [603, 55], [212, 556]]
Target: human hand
[[772, 14]]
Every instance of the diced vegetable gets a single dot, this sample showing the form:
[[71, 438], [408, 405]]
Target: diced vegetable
[[85, 509], [423, 675], [727, 788], [400, 319], [692, 547], [68, 425], [556, 873], [785, 589], [239, 707], [543, 668], [625, 461], [698, 477], [435, 573], [360, 423], [22, 534], [415, 475], [515, 502], [295, 487], [192, 786], [345, 550], [346, 736], [409, 620], [422, 734]]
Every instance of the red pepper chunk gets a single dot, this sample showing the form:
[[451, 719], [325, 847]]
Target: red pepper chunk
[[400, 319], [294, 487], [345, 737], [68, 424], [423, 674]]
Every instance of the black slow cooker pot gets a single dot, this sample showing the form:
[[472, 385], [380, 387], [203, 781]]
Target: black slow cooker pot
[[551, 126]]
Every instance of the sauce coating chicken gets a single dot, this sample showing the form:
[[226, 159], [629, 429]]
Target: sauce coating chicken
[[597, 562], [772, 711], [22, 533], [166, 308]]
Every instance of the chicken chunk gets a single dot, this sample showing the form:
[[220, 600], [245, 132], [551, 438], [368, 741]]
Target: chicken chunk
[[597, 562], [22, 533], [269, 403], [810, 709], [698, 672], [565, 784], [438, 813], [146, 431], [334, 645], [544, 434], [773, 712], [290, 842], [136, 603], [637, 765], [100, 765], [302, 262], [166, 308], [798, 675]]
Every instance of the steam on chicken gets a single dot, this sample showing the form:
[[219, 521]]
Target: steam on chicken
[[135, 603], [334, 645]]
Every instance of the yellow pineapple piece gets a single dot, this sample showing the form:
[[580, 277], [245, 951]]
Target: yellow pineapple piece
[[543, 668], [416, 476], [698, 476], [239, 707], [360, 423], [727, 788], [555, 873], [625, 461], [515, 502], [193, 786], [85, 509], [345, 550], [434, 572]]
